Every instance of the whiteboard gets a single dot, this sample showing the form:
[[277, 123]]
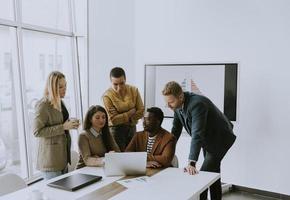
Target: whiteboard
[[218, 82]]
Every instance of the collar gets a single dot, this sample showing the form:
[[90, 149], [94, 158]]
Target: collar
[[152, 137], [185, 99], [94, 132]]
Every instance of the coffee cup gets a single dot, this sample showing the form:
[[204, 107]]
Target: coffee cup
[[75, 120]]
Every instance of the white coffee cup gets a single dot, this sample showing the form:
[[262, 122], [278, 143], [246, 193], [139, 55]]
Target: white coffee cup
[[74, 119], [36, 195]]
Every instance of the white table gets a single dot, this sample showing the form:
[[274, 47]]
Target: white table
[[58, 194], [170, 183]]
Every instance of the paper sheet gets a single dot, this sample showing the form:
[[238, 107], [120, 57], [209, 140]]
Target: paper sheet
[[134, 182]]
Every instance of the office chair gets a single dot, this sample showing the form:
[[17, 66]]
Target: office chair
[[74, 160], [174, 162], [10, 183]]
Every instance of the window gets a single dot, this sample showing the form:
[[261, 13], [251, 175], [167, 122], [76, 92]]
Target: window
[[81, 16], [82, 60], [6, 10], [9, 130], [47, 13], [44, 41], [44, 53]]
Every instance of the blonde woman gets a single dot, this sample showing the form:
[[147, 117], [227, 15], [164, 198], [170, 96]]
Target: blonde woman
[[96, 140], [51, 127]]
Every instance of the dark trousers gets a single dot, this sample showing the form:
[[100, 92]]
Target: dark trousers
[[212, 164], [123, 135]]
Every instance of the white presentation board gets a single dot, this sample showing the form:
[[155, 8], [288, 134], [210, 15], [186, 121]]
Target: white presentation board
[[218, 82]]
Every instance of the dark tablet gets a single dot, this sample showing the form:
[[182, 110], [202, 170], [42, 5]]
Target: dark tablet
[[75, 182]]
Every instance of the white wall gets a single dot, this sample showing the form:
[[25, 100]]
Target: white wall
[[111, 43], [254, 33], [257, 35]]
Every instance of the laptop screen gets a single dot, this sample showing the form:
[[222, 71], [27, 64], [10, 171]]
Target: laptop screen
[[125, 163]]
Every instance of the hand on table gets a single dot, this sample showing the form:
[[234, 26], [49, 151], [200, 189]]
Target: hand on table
[[190, 169], [153, 164]]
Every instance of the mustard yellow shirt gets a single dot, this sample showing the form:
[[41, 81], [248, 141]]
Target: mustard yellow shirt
[[117, 107]]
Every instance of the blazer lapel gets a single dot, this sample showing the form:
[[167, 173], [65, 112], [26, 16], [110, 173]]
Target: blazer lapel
[[144, 142], [179, 111], [183, 118], [157, 141], [183, 114], [186, 125]]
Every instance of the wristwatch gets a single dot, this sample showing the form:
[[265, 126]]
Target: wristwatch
[[191, 163]]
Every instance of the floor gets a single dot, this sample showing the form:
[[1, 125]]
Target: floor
[[244, 196]]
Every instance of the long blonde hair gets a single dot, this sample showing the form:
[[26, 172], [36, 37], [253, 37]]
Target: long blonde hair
[[51, 91]]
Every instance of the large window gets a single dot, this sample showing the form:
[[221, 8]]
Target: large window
[[41, 38], [6, 9], [83, 70], [44, 53], [47, 13], [9, 121]]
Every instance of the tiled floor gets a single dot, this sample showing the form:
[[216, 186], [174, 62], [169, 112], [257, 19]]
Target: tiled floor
[[244, 196]]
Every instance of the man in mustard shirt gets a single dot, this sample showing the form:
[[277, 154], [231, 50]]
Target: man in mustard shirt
[[124, 106]]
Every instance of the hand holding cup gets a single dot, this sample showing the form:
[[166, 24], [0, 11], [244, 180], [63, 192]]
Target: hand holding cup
[[72, 123]]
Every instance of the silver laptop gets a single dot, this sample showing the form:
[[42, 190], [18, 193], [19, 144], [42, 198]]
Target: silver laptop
[[126, 163]]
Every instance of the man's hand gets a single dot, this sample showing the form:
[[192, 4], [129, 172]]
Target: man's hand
[[153, 164], [190, 169]]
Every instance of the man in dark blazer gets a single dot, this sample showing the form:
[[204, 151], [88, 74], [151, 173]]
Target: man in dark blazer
[[209, 128]]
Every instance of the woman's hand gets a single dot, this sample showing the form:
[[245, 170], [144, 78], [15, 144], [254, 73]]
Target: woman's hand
[[101, 161], [70, 124]]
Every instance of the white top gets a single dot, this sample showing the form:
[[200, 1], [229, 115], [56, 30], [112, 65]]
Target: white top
[[150, 143], [95, 133]]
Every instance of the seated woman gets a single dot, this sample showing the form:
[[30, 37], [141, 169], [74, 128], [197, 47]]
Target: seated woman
[[96, 140]]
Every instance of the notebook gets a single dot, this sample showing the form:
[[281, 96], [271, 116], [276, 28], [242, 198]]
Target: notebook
[[75, 182], [126, 163]]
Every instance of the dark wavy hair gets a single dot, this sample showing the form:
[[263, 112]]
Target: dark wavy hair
[[105, 130]]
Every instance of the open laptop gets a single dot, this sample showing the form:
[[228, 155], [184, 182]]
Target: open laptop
[[126, 163], [75, 182]]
